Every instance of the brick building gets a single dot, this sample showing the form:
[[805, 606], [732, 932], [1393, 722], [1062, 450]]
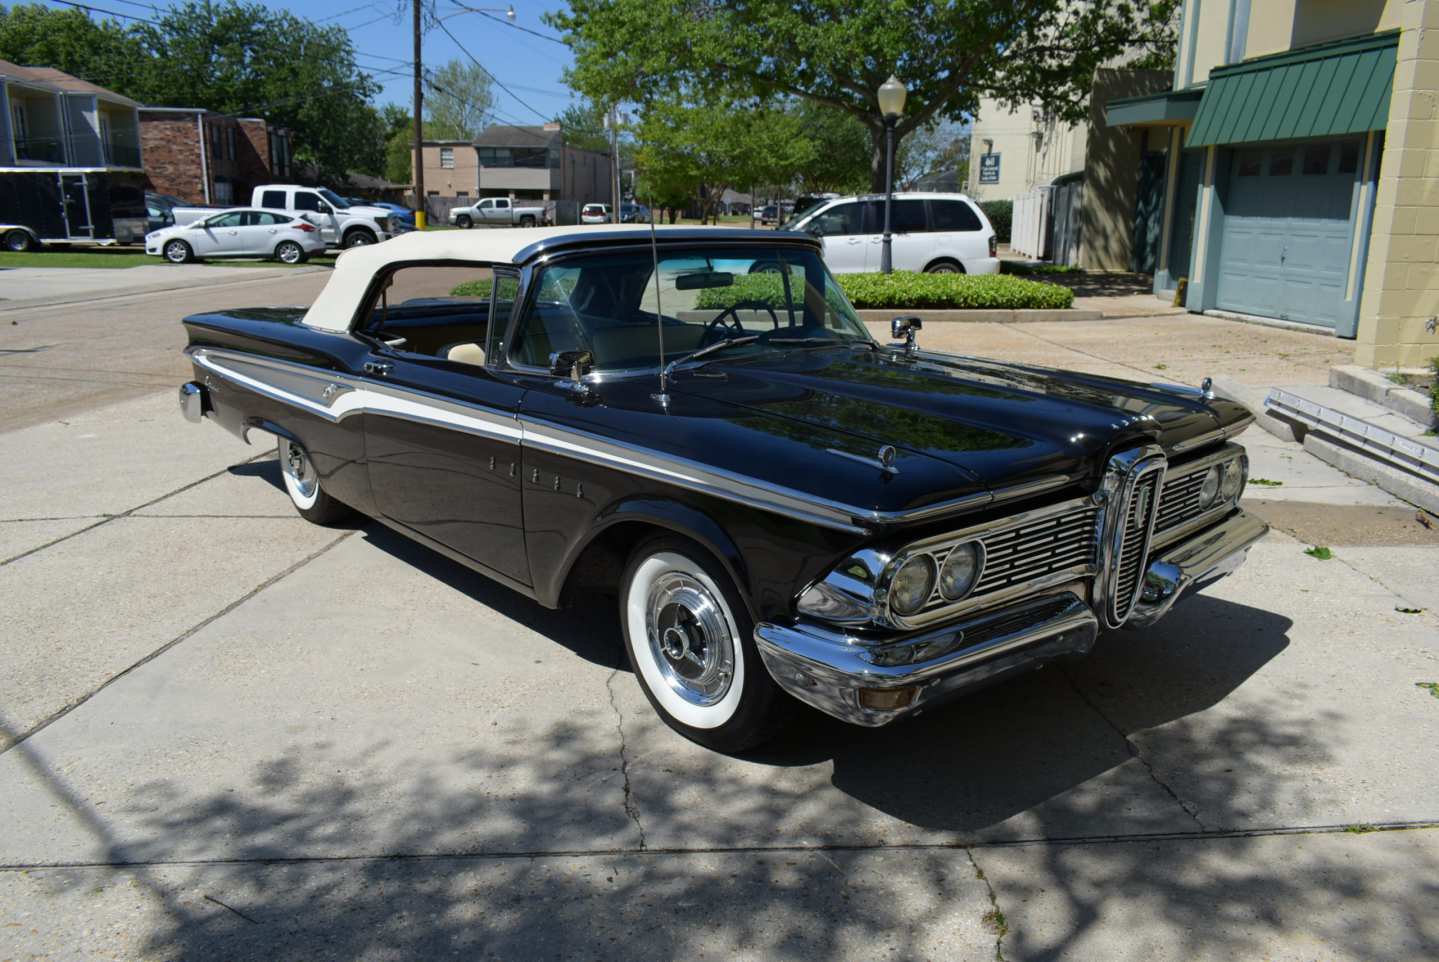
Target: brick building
[[206, 157]]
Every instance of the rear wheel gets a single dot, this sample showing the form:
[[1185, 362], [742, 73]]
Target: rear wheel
[[178, 252], [302, 483], [288, 252], [945, 267], [527, 221], [690, 641], [18, 241], [463, 222]]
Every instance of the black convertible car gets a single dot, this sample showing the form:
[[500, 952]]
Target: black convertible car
[[698, 421]]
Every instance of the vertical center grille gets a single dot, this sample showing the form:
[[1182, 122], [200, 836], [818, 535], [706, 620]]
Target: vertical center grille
[[1136, 524]]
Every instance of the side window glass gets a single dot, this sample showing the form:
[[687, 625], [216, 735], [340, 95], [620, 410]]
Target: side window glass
[[304, 200], [549, 324], [906, 217], [273, 198], [502, 204], [838, 220], [502, 304], [953, 215], [873, 220], [227, 220]]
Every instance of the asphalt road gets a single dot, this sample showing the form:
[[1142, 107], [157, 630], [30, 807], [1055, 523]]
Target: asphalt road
[[226, 733]]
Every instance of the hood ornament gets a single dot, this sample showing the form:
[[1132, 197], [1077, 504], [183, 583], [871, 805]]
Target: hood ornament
[[883, 459], [1206, 387], [904, 328]]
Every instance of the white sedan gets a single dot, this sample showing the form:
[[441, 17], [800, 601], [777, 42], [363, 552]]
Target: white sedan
[[242, 232]]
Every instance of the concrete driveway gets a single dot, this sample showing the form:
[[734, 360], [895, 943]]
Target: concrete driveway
[[230, 734]]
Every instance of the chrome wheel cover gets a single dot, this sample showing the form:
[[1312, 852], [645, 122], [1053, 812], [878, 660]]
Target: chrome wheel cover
[[690, 638], [298, 469]]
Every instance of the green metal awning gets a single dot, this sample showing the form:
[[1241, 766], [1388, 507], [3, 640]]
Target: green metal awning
[[1170, 107], [1327, 90]]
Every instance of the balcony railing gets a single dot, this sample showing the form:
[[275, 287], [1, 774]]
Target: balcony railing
[[49, 150]]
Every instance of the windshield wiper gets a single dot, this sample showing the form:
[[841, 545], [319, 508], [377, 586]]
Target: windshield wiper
[[711, 349]]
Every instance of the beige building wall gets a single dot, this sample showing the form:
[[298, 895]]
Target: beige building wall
[[1279, 25], [1034, 150], [1210, 37], [464, 177], [1401, 283]]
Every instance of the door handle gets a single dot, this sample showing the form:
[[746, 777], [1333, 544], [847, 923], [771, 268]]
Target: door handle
[[380, 368], [856, 240]]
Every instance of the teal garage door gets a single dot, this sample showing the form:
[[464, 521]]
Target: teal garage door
[[1284, 247]]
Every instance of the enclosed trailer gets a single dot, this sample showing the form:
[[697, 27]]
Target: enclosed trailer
[[71, 205]]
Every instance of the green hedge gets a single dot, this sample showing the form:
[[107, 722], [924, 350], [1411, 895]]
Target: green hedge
[[902, 290], [1001, 217], [1022, 269]]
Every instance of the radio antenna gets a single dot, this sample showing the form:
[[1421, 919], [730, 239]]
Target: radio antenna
[[663, 397]]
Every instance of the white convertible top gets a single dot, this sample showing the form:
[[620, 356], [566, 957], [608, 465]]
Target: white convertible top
[[338, 302]]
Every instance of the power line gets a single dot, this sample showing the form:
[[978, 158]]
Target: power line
[[497, 80], [113, 13], [510, 23]]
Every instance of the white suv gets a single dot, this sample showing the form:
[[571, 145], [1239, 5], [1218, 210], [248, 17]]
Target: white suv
[[935, 233]]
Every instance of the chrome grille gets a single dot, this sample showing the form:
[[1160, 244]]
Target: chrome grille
[[1032, 551], [1137, 523], [1180, 501]]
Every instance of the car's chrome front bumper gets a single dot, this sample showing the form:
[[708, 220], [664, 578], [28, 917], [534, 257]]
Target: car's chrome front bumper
[[874, 681]]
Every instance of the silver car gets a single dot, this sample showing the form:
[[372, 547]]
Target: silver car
[[239, 232]]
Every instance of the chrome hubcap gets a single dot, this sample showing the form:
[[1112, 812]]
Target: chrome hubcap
[[297, 467], [690, 638]]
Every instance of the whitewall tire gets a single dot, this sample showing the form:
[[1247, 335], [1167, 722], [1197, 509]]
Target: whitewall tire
[[302, 483], [689, 640]]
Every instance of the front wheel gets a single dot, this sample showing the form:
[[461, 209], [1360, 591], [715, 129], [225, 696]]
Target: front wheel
[[178, 252], [463, 222], [690, 641], [288, 252], [18, 241], [358, 238], [302, 483]]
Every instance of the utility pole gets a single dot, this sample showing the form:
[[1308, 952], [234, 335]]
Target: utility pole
[[615, 162], [419, 125]]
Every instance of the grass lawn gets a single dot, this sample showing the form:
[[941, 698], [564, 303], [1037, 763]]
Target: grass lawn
[[124, 257]]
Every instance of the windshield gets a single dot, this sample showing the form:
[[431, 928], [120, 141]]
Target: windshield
[[776, 298], [334, 199]]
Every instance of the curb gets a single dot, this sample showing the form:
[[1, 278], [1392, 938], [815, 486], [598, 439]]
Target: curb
[[262, 274], [1373, 386], [981, 315], [1397, 482]]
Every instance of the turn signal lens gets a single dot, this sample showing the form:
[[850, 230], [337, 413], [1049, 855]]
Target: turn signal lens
[[959, 571], [911, 585], [1209, 490], [886, 699]]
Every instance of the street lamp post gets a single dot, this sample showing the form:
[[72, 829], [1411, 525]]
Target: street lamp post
[[891, 106]]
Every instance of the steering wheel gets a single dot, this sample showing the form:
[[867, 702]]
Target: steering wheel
[[715, 326]]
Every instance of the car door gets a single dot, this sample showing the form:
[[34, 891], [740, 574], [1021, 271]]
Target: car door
[[499, 212], [309, 202], [839, 228], [912, 244], [442, 441], [266, 231], [217, 236]]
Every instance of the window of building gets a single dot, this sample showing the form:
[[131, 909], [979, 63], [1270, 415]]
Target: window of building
[[230, 148], [224, 192], [19, 123], [447, 158], [518, 157], [462, 194], [1281, 162], [1251, 163], [1316, 159], [1349, 157]]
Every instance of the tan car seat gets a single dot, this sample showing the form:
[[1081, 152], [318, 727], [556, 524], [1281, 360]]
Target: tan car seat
[[466, 353]]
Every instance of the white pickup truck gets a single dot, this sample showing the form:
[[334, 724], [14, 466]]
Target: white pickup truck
[[497, 212], [341, 223]]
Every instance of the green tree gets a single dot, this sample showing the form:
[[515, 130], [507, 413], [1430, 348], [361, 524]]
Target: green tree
[[839, 160], [100, 51], [459, 100], [948, 55], [399, 144], [584, 126]]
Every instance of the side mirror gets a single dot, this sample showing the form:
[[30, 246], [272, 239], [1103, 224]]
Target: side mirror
[[904, 328], [571, 367], [326, 208]]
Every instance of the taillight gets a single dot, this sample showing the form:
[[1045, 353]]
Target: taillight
[[310, 229], [993, 246]]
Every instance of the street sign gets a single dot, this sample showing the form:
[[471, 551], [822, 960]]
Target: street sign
[[989, 168]]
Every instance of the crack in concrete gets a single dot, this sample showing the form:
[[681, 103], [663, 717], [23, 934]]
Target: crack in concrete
[[994, 918], [187, 633], [106, 519], [1136, 754], [631, 808], [1372, 828]]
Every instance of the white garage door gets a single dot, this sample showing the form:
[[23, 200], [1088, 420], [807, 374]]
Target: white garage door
[[1284, 248]]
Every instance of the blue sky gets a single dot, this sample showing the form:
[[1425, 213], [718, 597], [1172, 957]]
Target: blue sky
[[529, 66]]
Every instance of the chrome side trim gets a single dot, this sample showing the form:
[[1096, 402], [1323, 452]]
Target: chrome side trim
[[1209, 437]]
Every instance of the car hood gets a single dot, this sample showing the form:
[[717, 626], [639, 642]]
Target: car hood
[[361, 210], [1002, 423]]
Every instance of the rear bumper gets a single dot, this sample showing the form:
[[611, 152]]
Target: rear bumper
[[874, 681]]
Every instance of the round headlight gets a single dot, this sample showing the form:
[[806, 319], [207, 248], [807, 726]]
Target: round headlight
[[912, 583], [1209, 490], [1233, 482], [959, 571]]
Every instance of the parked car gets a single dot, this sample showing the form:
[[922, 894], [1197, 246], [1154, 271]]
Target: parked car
[[497, 212], [595, 214], [239, 232], [341, 223], [931, 232], [634, 214], [787, 509], [402, 218]]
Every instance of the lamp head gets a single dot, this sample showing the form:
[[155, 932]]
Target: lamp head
[[891, 98]]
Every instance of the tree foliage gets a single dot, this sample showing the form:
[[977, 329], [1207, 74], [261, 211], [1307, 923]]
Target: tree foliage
[[584, 126], [460, 99], [949, 55], [231, 56]]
